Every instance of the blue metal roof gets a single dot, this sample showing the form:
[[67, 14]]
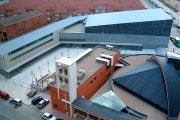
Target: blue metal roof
[[127, 17], [172, 82], [36, 34], [101, 111], [147, 82]]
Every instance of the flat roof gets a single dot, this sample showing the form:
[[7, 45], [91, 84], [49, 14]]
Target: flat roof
[[14, 19], [89, 63], [66, 61], [36, 34], [127, 17]]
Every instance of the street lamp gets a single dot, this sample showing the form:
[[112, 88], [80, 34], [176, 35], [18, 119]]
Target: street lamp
[[68, 51], [40, 71], [77, 51], [32, 75], [48, 66]]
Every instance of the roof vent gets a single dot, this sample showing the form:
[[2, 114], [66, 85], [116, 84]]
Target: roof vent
[[110, 47], [102, 60], [80, 74]]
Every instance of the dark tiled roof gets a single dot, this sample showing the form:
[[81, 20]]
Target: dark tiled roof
[[20, 17], [172, 82], [147, 82], [62, 6], [101, 111]]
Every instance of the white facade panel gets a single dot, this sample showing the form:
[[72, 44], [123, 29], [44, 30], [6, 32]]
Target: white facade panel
[[72, 82]]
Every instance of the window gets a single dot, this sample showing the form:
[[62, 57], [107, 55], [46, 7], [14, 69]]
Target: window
[[30, 44], [5, 34], [66, 72], [60, 70], [1, 14], [91, 82], [5, 39], [61, 79], [22, 54], [66, 80], [95, 79], [55, 105]]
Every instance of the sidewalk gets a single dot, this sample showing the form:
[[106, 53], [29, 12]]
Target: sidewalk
[[15, 90]]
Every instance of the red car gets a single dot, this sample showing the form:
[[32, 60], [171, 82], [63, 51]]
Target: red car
[[4, 95]]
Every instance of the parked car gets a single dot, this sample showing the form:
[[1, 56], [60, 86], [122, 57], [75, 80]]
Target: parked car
[[36, 100], [48, 116], [42, 103], [4, 95], [16, 101]]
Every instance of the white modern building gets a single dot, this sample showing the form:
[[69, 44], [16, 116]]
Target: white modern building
[[136, 30], [21, 50]]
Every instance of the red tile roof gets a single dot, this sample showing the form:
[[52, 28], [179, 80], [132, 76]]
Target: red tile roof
[[62, 6]]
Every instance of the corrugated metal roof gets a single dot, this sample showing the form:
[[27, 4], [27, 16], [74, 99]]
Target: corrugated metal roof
[[36, 34], [111, 100], [172, 81], [101, 111], [20, 17], [127, 17], [146, 81]]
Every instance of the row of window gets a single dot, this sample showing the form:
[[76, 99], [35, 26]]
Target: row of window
[[20, 55], [30, 44]]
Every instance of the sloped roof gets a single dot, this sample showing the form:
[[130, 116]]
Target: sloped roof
[[110, 100], [147, 82], [127, 17], [62, 6], [172, 82], [20, 17], [36, 34], [102, 111]]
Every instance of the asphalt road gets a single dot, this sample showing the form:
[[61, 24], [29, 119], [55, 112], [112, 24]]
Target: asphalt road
[[24, 112], [175, 31], [147, 4]]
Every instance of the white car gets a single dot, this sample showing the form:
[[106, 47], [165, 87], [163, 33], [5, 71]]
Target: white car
[[48, 116], [16, 101]]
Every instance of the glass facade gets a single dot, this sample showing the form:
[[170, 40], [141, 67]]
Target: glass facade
[[22, 54], [30, 44], [155, 28]]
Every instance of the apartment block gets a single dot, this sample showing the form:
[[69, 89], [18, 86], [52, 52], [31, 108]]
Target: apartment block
[[15, 26]]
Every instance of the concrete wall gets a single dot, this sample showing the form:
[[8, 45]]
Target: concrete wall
[[13, 64]]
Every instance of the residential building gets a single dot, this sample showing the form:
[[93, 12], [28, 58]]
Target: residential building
[[20, 24], [60, 9]]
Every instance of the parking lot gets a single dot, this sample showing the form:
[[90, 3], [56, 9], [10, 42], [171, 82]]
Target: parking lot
[[9, 111]]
